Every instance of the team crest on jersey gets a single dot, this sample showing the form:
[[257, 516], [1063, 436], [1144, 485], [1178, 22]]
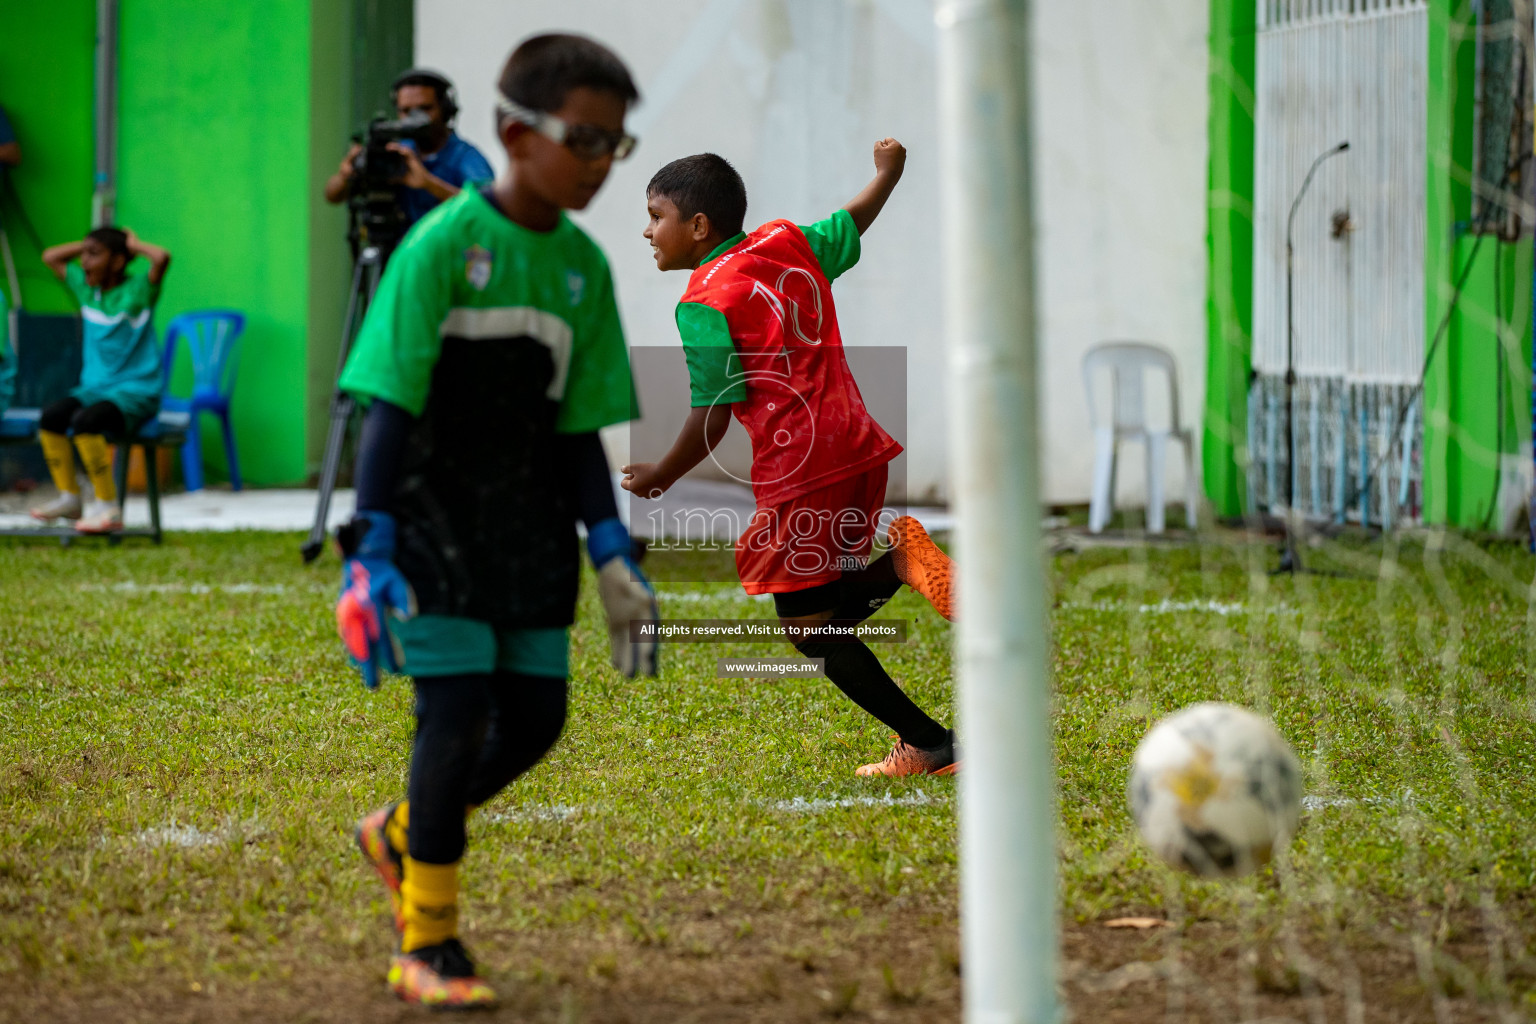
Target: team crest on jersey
[[477, 267], [575, 284]]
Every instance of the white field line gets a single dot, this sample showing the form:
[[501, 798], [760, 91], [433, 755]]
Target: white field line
[[815, 805], [174, 835], [1164, 607], [187, 837], [1167, 607], [694, 596], [1320, 803], [133, 587], [795, 805], [811, 805], [532, 812]]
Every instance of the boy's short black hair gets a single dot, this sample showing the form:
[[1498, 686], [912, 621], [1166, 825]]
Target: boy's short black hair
[[543, 69], [114, 239], [704, 183]]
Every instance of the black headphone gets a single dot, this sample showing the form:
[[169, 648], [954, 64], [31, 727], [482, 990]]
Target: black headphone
[[447, 98]]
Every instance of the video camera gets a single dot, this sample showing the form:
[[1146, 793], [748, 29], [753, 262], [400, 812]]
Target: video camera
[[376, 166], [376, 174]]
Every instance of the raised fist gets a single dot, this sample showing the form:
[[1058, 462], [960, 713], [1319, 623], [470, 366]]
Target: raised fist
[[890, 156]]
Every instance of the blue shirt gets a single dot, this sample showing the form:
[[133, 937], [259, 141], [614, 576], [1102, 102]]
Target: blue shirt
[[456, 164], [121, 361]]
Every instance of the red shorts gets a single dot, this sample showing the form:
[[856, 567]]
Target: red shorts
[[813, 539]]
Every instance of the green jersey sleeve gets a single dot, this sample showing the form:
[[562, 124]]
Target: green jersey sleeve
[[74, 283], [835, 241], [714, 369], [599, 390], [398, 345]]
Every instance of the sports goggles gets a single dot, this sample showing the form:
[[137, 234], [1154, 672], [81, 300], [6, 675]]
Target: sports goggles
[[586, 141]]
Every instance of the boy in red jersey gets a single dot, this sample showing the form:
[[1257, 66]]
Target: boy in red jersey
[[761, 339]]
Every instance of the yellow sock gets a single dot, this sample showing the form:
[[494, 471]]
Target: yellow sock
[[430, 894], [60, 456], [97, 456], [397, 828]]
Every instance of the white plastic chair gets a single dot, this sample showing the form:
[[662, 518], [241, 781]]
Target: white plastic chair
[[1128, 363]]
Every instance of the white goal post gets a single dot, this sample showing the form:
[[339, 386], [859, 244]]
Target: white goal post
[[1008, 913]]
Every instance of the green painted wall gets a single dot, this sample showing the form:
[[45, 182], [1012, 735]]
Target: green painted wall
[[1229, 242], [46, 69], [385, 46], [214, 160], [333, 29], [1462, 386]]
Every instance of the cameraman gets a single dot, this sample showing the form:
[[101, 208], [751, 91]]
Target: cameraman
[[443, 164]]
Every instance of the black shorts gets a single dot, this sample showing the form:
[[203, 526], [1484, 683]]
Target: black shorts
[[72, 415]]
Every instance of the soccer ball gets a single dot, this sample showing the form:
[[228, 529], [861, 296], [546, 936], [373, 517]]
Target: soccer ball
[[1215, 790]]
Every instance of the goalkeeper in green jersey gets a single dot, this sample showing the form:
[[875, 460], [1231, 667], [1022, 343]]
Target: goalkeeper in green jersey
[[489, 359]]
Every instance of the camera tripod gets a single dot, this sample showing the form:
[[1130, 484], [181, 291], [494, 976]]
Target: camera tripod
[[366, 270]]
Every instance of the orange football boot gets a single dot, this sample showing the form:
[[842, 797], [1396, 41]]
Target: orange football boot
[[922, 566], [441, 977], [373, 840], [905, 759]]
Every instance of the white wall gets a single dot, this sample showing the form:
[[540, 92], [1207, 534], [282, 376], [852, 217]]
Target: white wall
[[794, 93]]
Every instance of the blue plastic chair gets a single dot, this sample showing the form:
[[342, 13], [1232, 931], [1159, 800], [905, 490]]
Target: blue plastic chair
[[213, 343]]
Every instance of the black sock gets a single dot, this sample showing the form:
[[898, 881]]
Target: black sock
[[865, 592], [853, 667]]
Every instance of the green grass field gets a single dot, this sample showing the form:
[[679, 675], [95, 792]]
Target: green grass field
[[184, 751]]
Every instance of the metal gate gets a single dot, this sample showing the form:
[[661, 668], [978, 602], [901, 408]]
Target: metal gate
[[1330, 71]]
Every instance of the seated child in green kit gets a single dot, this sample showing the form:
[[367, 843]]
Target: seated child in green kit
[[120, 378]]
